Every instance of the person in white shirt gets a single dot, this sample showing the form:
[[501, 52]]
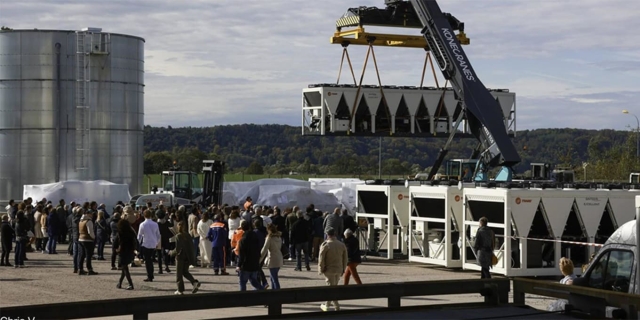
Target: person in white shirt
[[149, 238], [205, 245]]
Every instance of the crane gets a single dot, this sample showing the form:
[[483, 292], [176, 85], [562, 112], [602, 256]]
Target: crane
[[482, 112]]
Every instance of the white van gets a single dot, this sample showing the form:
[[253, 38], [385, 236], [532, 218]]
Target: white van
[[614, 268]]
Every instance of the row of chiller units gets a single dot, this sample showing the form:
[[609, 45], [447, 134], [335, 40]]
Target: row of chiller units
[[534, 228]]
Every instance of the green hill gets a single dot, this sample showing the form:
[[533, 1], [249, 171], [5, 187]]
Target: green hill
[[279, 149]]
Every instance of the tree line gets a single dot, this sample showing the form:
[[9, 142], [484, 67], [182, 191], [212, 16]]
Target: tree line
[[280, 149]]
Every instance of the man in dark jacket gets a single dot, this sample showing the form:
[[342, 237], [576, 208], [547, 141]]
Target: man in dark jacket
[[113, 227], [61, 213], [290, 219], [164, 225], [299, 238], [69, 226], [75, 236], [248, 258], [348, 222], [483, 245], [7, 235], [318, 234], [53, 230], [333, 221]]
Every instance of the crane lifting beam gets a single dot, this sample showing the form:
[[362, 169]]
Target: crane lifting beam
[[359, 36]]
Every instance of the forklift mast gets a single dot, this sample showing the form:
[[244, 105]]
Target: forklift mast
[[213, 171]]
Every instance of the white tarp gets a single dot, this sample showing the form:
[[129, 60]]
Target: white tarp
[[301, 197], [343, 189], [263, 187], [328, 184], [100, 191]]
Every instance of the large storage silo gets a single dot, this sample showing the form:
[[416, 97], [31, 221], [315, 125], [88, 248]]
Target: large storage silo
[[71, 108]]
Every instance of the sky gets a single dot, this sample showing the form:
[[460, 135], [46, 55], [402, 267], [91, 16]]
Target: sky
[[572, 63]]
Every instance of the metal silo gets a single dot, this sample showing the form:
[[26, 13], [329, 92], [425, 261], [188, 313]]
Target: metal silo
[[71, 108]]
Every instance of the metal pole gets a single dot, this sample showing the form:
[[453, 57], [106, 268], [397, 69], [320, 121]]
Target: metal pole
[[380, 159], [637, 132], [637, 137]]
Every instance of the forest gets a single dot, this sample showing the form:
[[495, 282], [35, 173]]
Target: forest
[[281, 149]]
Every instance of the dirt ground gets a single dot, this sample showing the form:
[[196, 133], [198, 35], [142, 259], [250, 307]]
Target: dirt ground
[[50, 279]]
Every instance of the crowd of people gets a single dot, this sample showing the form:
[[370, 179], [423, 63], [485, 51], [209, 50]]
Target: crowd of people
[[247, 237]]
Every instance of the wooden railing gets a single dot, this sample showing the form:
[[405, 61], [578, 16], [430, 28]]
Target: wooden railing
[[495, 291]]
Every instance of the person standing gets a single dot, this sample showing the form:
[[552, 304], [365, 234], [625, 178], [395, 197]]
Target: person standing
[[37, 228], [233, 225], [75, 237], [353, 253], [272, 250], [185, 256], [53, 231], [204, 225], [483, 246], [248, 258], [7, 235], [125, 244], [149, 238], [217, 237], [317, 227], [166, 245], [299, 238], [334, 221], [332, 262], [102, 234], [113, 226], [193, 220], [86, 240], [290, 219]]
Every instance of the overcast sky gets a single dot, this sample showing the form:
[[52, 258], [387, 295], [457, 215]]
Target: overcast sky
[[572, 63]]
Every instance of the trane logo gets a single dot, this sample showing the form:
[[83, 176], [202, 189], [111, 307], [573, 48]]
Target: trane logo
[[519, 200], [400, 197]]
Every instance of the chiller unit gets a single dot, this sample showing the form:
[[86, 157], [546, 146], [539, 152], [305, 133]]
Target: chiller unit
[[435, 224], [383, 210], [328, 109], [535, 227]]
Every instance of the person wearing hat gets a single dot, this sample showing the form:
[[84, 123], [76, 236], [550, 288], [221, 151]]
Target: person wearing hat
[[332, 262], [353, 254]]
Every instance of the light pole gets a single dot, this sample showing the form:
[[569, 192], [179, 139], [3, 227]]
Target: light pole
[[380, 159], [637, 133]]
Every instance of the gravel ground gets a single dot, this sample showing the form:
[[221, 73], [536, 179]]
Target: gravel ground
[[49, 279]]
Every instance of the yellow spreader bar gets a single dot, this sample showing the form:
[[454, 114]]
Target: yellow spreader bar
[[359, 37]]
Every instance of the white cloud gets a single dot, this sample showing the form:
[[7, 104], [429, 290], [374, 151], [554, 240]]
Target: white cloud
[[590, 101], [214, 62]]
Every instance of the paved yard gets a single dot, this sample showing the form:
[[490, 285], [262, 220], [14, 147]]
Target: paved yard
[[49, 279]]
